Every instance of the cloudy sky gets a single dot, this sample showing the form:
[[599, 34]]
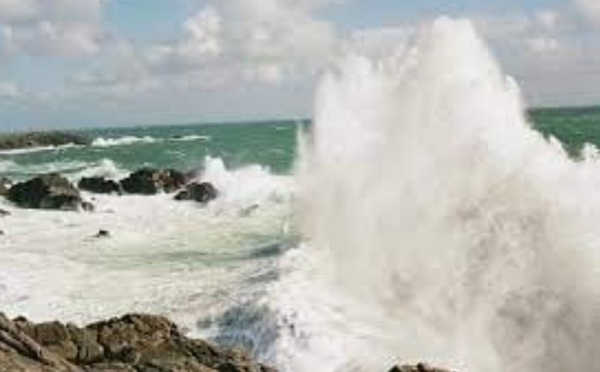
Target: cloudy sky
[[77, 63]]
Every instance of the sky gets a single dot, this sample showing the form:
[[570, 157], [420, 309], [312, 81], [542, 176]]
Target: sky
[[90, 63]]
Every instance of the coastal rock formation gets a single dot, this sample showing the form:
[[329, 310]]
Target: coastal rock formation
[[49, 191], [99, 185], [148, 181], [200, 192], [40, 139], [135, 342]]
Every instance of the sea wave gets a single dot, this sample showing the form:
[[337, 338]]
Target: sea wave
[[121, 141], [130, 140]]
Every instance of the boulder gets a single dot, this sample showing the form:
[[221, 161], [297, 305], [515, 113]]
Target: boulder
[[99, 185], [134, 342], [49, 191], [201, 192], [149, 181]]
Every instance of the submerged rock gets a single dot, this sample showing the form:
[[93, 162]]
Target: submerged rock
[[200, 192], [150, 181], [103, 234], [421, 367], [49, 191], [99, 185], [134, 342]]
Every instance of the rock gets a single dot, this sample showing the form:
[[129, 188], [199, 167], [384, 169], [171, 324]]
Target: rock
[[40, 139], [87, 206], [149, 181], [99, 185], [103, 234], [5, 185], [200, 192], [49, 191], [134, 342], [4, 212], [421, 367]]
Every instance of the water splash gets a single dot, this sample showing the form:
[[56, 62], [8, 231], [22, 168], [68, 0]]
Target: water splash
[[440, 226]]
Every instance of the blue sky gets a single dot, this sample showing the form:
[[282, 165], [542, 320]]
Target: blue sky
[[78, 63]]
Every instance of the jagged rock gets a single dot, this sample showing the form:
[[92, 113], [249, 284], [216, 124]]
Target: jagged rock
[[135, 342], [149, 181], [200, 192], [99, 185], [49, 191]]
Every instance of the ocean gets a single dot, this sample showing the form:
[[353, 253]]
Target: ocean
[[417, 218]]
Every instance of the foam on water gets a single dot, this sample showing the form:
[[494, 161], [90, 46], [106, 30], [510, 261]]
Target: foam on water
[[181, 259], [130, 140], [121, 141], [439, 225]]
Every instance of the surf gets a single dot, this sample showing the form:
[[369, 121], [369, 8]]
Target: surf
[[438, 225]]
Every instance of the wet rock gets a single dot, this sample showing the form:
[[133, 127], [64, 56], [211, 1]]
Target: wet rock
[[421, 367], [39, 139], [99, 185], [200, 192], [49, 191], [87, 206], [149, 181], [103, 234], [134, 342], [4, 212], [5, 185]]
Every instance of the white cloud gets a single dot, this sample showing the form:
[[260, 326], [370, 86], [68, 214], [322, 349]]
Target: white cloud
[[9, 90], [51, 27], [543, 44], [201, 41], [591, 9], [259, 40]]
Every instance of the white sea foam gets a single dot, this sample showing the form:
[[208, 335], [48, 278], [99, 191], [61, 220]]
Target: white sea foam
[[130, 140], [105, 168], [122, 141], [30, 150], [439, 225], [177, 258]]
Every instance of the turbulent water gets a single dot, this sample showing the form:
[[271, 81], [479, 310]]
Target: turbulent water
[[423, 219]]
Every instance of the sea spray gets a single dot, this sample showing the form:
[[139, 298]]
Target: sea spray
[[439, 225]]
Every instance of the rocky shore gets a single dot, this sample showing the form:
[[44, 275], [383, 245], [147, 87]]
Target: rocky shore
[[132, 343], [53, 191], [40, 139]]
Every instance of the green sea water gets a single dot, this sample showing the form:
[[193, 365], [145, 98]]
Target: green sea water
[[271, 144]]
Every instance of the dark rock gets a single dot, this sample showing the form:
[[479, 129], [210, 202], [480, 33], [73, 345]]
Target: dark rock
[[50, 191], [149, 181], [421, 367], [103, 234], [40, 139], [200, 192], [99, 185], [87, 206], [4, 212]]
